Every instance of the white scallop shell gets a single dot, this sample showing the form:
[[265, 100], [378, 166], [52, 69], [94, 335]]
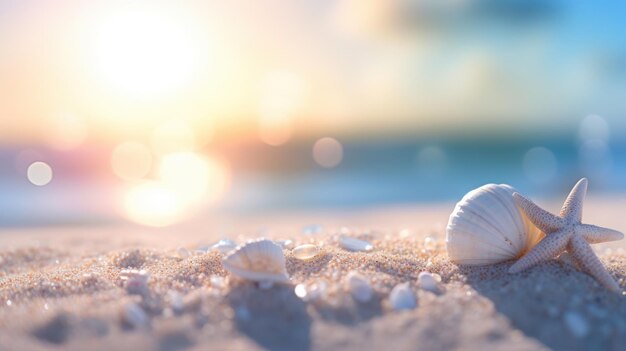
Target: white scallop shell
[[487, 227], [402, 297], [260, 261]]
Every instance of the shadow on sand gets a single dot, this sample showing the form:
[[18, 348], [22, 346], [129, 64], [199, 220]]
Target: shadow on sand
[[274, 318], [539, 301], [349, 312]]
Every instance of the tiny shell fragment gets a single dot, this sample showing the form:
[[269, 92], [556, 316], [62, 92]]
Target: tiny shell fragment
[[354, 244], [428, 282], [402, 297], [135, 281], [305, 252], [134, 316], [224, 246], [359, 287]]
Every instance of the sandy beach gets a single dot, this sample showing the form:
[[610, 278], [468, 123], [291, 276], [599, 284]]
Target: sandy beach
[[311, 175], [61, 288]]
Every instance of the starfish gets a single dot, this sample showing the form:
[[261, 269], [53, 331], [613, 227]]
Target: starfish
[[565, 232]]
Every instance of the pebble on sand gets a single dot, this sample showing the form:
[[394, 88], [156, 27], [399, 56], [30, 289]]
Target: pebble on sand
[[134, 316], [428, 282], [55, 331], [135, 281], [402, 297], [359, 287], [354, 244], [183, 252]]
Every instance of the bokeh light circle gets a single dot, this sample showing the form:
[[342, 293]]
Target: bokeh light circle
[[39, 173], [131, 160], [154, 204], [275, 131], [431, 160], [328, 152], [594, 127], [540, 164]]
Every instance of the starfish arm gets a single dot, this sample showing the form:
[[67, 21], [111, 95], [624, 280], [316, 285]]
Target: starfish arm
[[573, 206], [590, 263], [551, 246], [594, 234], [543, 219]]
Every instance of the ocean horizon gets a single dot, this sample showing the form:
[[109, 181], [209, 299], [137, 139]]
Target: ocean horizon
[[371, 173]]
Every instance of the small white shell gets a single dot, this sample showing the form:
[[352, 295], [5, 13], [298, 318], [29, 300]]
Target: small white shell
[[354, 244], [224, 246], [359, 287], [427, 281], [260, 261], [285, 244], [135, 281], [134, 316], [486, 227], [183, 252], [402, 297], [311, 291], [176, 301], [305, 252]]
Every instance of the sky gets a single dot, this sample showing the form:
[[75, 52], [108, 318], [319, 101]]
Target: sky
[[155, 111], [246, 69]]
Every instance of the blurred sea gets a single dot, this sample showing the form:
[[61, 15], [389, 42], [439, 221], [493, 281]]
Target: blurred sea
[[389, 172], [372, 173]]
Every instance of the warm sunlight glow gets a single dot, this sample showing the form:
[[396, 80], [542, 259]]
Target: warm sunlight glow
[[282, 93], [173, 136], [142, 52], [66, 131], [186, 182], [131, 160], [194, 177], [275, 131], [154, 204]]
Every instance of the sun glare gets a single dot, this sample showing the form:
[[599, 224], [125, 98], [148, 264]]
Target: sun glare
[[140, 52], [131, 160], [195, 178], [154, 204], [186, 182]]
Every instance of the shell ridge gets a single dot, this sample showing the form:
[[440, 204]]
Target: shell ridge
[[465, 242], [512, 210], [258, 260], [489, 219], [494, 229], [487, 227], [478, 233], [516, 239]]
